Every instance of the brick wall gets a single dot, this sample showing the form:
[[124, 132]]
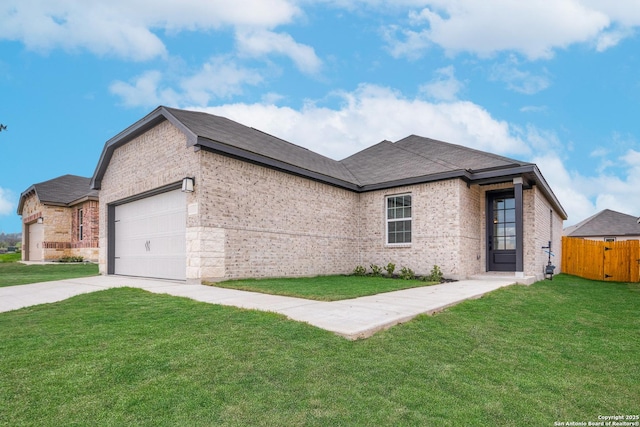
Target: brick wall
[[546, 226], [444, 229], [259, 222]]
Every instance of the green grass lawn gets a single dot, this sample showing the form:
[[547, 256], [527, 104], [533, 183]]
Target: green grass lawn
[[323, 288], [13, 273], [13, 257], [561, 350]]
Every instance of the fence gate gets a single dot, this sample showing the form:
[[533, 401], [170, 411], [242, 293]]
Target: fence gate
[[610, 261]]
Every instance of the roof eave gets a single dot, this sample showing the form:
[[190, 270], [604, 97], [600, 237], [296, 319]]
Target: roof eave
[[151, 120]]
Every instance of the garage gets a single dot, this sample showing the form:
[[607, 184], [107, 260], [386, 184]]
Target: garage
[[149, 237], [36, 237]]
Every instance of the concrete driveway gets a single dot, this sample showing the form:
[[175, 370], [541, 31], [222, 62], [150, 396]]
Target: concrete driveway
[[352, 319]]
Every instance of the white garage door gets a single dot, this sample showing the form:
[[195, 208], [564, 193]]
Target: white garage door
[[36, 237], [150, 237]]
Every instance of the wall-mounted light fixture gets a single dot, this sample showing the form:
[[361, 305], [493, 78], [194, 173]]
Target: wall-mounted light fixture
[[187, 185], [40, 220]]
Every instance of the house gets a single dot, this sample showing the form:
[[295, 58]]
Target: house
[[60, 219], [606, 225], [190, 196]]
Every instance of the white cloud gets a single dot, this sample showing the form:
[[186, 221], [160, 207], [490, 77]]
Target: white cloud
[[219, 78], [583, 196], [371, 114], [444, 87], [534, 28], [125, 28], [257, 43], [517, 80], [566, 186], [7, 205]]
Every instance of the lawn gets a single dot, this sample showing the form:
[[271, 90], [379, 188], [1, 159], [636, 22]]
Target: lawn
[[323, 288], [13, 273], [557, 351]]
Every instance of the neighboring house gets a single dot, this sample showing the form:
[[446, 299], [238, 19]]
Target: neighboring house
[[188, 195], [607, 225], [60, 218]]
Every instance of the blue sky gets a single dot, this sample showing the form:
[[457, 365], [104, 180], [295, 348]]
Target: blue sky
[[555, 83]]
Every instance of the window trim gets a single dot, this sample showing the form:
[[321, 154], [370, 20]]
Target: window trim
[[387, 220], [80, 228]]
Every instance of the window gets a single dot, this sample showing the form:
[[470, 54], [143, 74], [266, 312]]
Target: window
[[609, 239], [399, 219], [504, 223], [80, 224]]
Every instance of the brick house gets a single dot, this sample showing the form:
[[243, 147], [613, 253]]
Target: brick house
[[59, 219], [189, 195], [607, 225]]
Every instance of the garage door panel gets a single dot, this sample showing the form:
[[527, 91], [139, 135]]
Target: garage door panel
[[150, 237]]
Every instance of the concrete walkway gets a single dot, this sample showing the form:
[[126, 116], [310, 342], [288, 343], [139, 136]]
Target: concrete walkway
[[352, 319]]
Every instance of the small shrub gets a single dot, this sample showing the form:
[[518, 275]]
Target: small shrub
[[435, 275], [71, 259], [359, 271], [376, 270], [390, 268], [407, 273]]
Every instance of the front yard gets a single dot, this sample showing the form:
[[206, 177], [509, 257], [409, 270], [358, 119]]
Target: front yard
[[13, 273], [558, 351]]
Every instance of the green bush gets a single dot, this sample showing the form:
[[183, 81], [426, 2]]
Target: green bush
[[71, 259], [407, 273], [376, 270], [435, 275], [390, 268], [359, 271]]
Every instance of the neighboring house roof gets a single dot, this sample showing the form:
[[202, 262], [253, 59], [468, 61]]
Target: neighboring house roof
[[411, 160], [66, 190], [606, 223]]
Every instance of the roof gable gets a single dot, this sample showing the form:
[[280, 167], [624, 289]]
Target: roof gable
[[605, 223]]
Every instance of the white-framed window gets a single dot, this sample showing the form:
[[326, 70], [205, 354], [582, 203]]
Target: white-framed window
[[80, 224], [609, 239], [398, 219]]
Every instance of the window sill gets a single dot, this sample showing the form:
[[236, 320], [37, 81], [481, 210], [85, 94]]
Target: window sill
[[397, 245]]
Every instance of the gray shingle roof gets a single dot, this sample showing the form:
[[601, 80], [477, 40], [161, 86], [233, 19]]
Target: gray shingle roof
[[63, 191], [606, 223], [409, 161], [225, 131], [419, 156]]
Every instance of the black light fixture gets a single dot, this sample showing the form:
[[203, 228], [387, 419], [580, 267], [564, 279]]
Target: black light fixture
[[187, 184]]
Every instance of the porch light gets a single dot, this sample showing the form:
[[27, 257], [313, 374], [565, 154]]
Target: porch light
[[187, 185], [40, 220]]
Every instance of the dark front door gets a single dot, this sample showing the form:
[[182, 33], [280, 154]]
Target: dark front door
[[501, 232]]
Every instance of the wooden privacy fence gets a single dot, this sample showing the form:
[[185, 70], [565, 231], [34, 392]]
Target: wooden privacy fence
[[610, 261]]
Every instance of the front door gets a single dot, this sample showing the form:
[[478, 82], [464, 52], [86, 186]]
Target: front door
[[501, 232]]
